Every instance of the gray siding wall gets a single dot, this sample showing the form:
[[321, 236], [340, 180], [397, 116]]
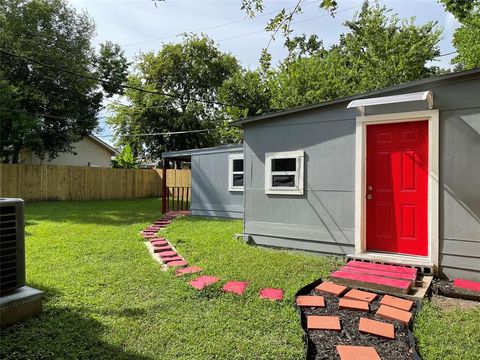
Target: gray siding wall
[[210, 195], [322, 220]]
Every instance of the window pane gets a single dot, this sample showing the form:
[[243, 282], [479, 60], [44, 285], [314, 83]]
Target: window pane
[[283, 180], [284, 164], [238, 165], [237, 179]]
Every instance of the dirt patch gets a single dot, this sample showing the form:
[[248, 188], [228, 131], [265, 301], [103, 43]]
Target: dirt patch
[[323, 342], [448, 303]]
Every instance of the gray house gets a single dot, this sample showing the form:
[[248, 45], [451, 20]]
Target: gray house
[[391, 175], [217, 180]]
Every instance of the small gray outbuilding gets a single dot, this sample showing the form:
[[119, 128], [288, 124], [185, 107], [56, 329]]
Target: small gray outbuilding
[[391, 175], [217, 180]]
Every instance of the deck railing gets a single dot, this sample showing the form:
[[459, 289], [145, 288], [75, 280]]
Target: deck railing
[[178, 198]]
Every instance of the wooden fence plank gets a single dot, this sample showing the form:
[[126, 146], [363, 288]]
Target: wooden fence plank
[[50, 182]]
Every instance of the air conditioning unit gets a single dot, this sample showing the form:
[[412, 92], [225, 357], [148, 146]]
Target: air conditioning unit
[[12, 245]]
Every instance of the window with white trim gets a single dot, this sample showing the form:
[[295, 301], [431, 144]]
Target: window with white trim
[[284, 173], [235, 172]]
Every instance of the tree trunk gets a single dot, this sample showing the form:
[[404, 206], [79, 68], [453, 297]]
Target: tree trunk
[[16, 154]]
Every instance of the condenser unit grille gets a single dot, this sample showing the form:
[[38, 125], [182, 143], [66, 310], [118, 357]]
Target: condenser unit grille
[[12, 258]]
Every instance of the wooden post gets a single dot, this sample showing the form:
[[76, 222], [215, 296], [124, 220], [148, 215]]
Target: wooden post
[[164, 187]]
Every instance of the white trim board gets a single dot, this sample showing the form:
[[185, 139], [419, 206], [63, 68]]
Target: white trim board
[[231, 158], [432, 116]]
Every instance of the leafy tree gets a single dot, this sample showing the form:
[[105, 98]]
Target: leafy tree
[[44, 44], [125, 159], [181, 84], [376, 52], [466, 38]]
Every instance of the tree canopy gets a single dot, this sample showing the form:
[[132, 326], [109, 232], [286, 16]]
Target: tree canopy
[[466, 37], [48, 69], [182, 82], [376, 51]]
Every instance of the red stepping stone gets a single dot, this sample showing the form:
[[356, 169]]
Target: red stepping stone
[[164, 254], [383, 267], [158, 239], [331, 288], [353, 304], [177, 263], [371, 281], [188, 270], [377, 328], [236, 287], [271, 294], [355, 294], [391, 313], [161, 247], [347, 352], [202, 281], [158, 244], [310, 301], [323, 323], [170, 259], [402, 304], [466, 285], [401, 276], [148, 236]]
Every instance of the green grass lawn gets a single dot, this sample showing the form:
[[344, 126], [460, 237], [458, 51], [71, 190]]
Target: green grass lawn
[[106, 298]]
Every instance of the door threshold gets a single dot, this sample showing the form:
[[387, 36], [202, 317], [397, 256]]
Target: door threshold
[[423, 263]]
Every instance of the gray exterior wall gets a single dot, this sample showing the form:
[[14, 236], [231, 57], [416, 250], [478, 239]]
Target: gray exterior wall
[[210, 194], [322, 220]]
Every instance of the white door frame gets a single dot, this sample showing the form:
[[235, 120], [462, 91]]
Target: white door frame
[[432, 116]]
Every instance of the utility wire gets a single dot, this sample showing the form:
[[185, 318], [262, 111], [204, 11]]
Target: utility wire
[[293, 22], [103, 81], [211, 27], [161, 133]]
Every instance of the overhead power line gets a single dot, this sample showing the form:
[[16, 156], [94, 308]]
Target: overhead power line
[[211, 27], [103, 81], [162, 133]]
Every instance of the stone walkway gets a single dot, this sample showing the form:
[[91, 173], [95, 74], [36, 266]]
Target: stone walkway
[[378, 324], [165, 253]]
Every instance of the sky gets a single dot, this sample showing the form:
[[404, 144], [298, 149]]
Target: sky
[[140, 25]]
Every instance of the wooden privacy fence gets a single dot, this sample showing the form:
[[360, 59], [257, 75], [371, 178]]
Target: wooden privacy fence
[[178, 190], [51, 182]]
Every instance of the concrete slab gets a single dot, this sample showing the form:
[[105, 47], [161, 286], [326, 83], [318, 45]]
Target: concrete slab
[[23, 304]]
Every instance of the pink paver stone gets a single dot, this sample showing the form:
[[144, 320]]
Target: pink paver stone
[[153, 228], [148, 236], [203, 281], [158, 239], [188, 270], [173, 258], [469, 285], [167, 254], [236, 287], [159, 244], [177, 263], [271, 294]]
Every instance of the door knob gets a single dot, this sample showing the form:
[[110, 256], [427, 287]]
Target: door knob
[[370, 188], [369, 196]]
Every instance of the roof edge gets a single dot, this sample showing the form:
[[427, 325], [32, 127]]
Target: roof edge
[[338, 101], [104, 144], [201, 151]]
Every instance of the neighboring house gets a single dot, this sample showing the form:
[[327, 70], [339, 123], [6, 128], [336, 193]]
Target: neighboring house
[[90, 151], [217, 179], [391, 175]]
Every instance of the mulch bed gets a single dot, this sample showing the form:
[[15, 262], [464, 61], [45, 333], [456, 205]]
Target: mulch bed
[[321, 344], [444, 287]]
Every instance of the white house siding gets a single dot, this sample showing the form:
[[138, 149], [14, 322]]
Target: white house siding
[[88, 153]]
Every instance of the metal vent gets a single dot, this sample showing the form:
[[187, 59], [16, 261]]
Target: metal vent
[[12, 252]]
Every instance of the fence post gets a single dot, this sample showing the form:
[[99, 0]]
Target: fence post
[[164, 186]]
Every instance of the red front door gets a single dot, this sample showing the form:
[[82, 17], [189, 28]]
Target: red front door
[[397, 188]]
